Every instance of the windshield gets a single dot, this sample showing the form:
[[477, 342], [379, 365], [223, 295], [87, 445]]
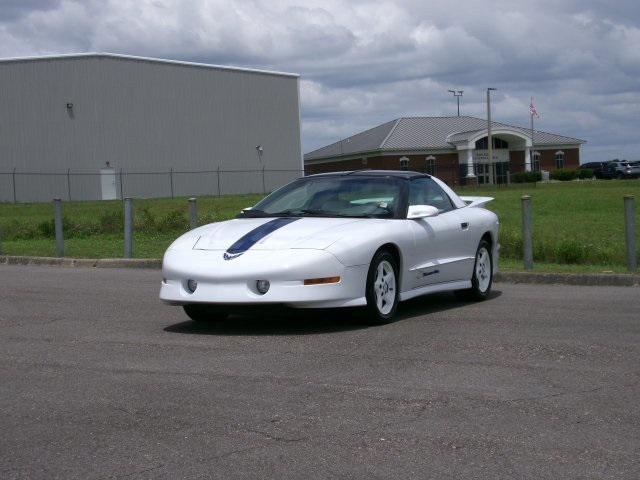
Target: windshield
[[335, 196]]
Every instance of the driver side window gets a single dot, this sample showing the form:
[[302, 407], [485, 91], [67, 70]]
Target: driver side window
[[424, 191]]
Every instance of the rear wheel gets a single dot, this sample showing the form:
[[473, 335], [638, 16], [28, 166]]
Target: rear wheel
[[482, 278], [203, 313], [382, 288]]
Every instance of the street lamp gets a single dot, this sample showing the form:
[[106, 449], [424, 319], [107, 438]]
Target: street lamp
[[489, 138], [457, 94]]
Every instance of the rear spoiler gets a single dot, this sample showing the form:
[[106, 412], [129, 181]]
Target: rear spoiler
[[476, 201]]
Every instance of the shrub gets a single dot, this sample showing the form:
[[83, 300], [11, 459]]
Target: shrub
[[563, 174], [111, 222], [510, 243], [526, 177], [145, 221], [570, 251], [174, 220], [47, 228], [585, 173], [15, 230]]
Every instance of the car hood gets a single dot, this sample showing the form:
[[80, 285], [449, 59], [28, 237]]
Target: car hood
[[274, 234]]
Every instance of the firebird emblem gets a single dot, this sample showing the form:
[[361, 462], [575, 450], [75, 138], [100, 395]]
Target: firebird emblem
[[231, 256]]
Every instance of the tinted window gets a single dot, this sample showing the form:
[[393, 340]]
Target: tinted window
[[424, 191], [339, 196]]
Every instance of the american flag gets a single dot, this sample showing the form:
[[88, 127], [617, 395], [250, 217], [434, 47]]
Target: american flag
[[532, 109]]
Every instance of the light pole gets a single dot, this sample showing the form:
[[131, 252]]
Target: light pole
[[457, 94], [489, 137]]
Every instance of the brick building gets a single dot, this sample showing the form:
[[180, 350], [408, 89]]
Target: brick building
[[452, 148]]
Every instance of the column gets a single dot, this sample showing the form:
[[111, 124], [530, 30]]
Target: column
[[527, 159], [470, 172]]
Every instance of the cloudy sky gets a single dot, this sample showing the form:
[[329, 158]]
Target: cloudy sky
[[366, 62]]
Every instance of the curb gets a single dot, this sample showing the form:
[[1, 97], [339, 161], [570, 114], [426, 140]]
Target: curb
[[151, 263], [594, 279]]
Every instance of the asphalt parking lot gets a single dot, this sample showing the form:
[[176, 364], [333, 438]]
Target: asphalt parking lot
[[98, 379]]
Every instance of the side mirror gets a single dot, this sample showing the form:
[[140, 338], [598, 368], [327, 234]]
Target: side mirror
[[422, 211]]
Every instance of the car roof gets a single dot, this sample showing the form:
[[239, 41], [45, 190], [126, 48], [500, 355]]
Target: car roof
[[406, 174]]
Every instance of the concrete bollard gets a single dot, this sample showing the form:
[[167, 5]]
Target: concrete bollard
[[630, 232], [128, 227], [527, 241], [193, 213], [57, 221]]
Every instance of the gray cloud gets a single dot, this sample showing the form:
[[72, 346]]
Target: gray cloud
[[364, 62]]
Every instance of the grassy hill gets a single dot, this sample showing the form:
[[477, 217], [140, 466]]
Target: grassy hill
[[574, 223]]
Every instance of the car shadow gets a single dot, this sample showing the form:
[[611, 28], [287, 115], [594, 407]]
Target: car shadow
[[288, 321]]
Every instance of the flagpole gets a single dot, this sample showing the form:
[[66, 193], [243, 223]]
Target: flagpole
[[531, 149]]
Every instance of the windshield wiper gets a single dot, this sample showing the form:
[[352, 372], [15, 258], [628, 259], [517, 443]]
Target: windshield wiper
[[252, 212], [317, 212]]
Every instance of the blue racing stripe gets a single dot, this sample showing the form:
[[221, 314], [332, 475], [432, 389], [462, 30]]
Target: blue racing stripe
[[248, 240]]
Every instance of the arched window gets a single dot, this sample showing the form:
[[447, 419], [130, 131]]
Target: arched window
[[404, 163], [498, 143], [536, 162], [559, 159], [430, 165]]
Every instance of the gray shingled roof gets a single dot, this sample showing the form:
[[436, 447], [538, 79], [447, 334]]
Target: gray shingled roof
[[422, 133]]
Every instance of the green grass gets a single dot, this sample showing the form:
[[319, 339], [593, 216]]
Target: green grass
[[573, 222], [577, 226], [513, 265]]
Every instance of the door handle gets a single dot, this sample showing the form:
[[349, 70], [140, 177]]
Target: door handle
[[464, 225]]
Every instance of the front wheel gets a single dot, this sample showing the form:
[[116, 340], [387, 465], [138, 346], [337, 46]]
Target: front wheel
[[482, 277], [203, 313], [382, 288]]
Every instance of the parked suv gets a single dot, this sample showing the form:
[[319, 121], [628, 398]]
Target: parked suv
[[596, 167], [621, 169]]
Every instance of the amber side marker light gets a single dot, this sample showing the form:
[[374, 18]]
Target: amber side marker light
[[321, 281]]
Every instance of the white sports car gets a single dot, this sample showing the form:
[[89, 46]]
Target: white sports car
[[348, 239]]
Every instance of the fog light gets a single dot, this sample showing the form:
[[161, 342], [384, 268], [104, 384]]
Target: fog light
[[192, 285], [262, 286]]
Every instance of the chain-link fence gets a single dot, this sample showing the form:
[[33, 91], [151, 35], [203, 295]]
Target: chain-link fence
[[20, 186]]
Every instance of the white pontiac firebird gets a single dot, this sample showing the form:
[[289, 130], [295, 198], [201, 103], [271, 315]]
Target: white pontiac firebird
[[347, 239]]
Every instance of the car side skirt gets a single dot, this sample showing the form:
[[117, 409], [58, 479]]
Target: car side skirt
[[438, 287]]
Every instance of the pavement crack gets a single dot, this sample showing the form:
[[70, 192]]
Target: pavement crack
[[276, 437], [572, 392], [138, 472]]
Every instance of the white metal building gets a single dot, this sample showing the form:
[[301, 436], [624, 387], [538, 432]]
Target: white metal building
[[93, 126]]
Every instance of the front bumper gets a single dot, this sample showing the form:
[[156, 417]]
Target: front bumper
[[233, 282]]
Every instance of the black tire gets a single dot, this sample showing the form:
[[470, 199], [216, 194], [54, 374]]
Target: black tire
[[374, 313], [479, 290], [203, 313], [620, 176]]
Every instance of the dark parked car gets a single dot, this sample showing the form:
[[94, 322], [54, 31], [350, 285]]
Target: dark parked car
[[597, 167], [621, 169]]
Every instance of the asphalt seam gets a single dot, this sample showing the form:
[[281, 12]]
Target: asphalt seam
[[593, 279]]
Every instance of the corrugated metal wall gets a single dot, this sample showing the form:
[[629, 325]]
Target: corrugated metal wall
[[143, 116]]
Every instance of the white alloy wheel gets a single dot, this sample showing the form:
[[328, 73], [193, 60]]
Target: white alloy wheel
[[481, 275], [483, 269], [382, 288], [385, 287]]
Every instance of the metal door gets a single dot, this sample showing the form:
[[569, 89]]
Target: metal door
[[108, 184]]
